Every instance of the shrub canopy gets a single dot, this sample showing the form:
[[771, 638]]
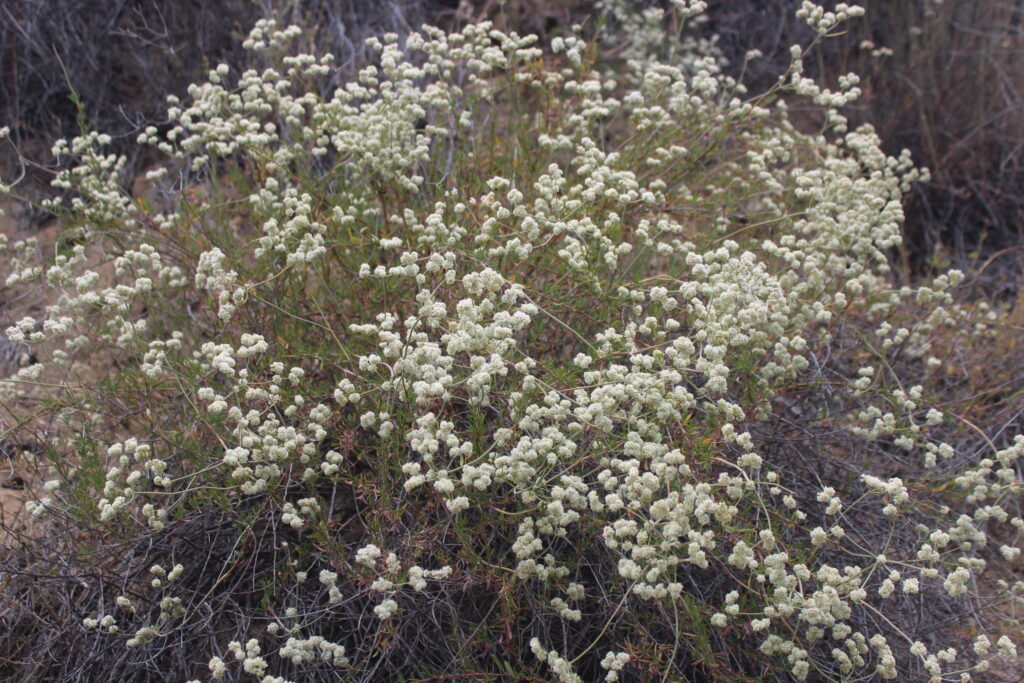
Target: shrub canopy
[[574, 362]]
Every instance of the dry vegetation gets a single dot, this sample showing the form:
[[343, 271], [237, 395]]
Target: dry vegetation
[[599, 357]]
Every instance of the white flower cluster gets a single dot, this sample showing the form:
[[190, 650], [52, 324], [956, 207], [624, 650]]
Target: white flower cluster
[[560, 666], [614, 662], [300, 650], [211, 275]]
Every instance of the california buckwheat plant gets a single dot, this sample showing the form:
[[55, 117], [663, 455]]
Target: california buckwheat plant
[[566, 362]]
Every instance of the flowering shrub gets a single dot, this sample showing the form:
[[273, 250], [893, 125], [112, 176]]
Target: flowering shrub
[[571, 362]]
